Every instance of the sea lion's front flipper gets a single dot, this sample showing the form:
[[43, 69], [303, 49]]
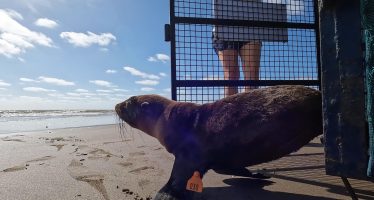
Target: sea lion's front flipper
[[241, 172], [175, 188]]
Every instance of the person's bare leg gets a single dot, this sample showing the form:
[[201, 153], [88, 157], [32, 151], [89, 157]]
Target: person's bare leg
[[229, 60], [250, 55]]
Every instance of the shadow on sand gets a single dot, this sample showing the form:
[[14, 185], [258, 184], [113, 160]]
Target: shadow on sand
[[303, 168], [251, 189]]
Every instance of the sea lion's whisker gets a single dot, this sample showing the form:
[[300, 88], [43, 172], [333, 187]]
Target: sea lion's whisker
[[118, 120], [126, 132], [122, 128], [141, 136], [131, 133], [122, 132]]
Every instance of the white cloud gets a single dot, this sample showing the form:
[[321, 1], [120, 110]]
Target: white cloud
[[88, 94], [74, 98], [147, 89], [34, 5], [120, 90], [81, 90], [167, 89], [138, 73], [116, 99], [89, 39], [80, 94], [28, 80], [5, 95], [104, 49], [103, 83], [163, 74], [21, 59], [14, 14], [147, 82], [73, 94], [56, 95], [103, 94], [110, 71], [121, 95], [45, 22], [104, 91], [30, 98], [3, 89], [152, 59], [37, 89], [16, 38], [159, 58], [55, 81], [4, 84]]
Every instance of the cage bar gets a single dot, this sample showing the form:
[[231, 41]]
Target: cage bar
[[283, 33]]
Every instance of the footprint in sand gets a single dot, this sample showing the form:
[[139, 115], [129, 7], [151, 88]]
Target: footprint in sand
[[60, 139], [41, 159], [15, 168], [99, 154], [9, 139], [143, 182], [112, 142], [157, 148], [58, 146], [125, 164], [140, 169], [78, 148], [140, 153], [52, 140], [24, 166], [82, 173]]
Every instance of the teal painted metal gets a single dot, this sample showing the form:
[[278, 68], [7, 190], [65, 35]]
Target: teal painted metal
[[343, 89], [368, 25]]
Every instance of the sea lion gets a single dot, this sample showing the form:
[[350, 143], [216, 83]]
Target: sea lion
[[228, 135]]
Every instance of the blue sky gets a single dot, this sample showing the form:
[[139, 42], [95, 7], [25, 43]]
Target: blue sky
[[86, 54]]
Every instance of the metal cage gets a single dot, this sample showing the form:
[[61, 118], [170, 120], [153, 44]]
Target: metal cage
[[285, 30]]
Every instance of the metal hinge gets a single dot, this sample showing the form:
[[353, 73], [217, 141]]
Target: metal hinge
[[167, 30]]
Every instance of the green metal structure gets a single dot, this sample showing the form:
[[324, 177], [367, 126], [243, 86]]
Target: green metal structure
[[367, 8]]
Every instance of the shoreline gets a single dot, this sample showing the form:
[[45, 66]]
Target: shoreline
[[56, 129]]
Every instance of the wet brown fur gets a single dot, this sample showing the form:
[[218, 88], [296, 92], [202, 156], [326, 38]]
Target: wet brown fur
[[234, 132]]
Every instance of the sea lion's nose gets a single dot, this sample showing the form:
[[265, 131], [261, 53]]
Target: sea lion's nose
[[118, 109], [121, 108]]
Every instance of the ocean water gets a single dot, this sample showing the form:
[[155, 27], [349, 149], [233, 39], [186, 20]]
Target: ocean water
[[13, 121]]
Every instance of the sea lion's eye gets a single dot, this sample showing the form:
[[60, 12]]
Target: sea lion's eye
[[144, 104]]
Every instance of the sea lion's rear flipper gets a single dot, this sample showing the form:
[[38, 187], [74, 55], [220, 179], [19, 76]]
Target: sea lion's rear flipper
[[175, 188], [241, 172]]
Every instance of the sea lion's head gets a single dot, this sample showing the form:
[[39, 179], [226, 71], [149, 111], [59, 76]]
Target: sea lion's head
[[142, 112]]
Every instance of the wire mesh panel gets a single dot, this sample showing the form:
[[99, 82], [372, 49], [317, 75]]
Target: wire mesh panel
[[221, 47]]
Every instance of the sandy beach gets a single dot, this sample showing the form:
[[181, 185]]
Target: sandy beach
[[97, 163]]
